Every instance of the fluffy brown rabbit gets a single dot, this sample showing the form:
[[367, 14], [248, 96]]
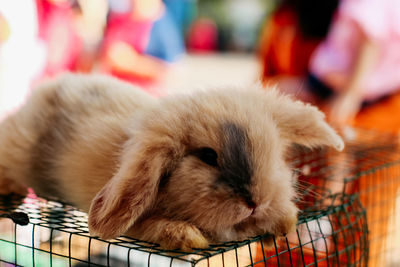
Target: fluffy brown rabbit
[[182, 171]]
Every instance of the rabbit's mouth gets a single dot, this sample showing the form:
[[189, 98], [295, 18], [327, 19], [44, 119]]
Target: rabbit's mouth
[[248, 213], [248, 217], [245, 212]]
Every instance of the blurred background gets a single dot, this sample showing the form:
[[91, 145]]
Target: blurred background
[[343, 55], [162, 46]]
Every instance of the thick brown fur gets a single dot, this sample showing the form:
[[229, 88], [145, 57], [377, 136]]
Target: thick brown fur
[[182, 171]]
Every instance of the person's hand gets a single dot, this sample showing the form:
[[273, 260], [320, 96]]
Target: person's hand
[[345, 107], [348, 102]]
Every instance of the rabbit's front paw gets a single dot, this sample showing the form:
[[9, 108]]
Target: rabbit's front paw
[[285, 225], [185, 237], [170, 234]]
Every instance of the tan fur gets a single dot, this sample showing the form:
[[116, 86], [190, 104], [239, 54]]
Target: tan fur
[[105, 147]]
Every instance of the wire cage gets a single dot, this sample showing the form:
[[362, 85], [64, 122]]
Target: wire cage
[[332, 229], [369, 168]]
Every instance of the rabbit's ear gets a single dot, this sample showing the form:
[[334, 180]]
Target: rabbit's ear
[[131, 191], [304, 124]]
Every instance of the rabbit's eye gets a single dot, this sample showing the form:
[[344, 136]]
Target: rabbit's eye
[[207, 155]]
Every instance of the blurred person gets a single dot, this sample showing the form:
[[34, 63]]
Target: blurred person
[[167, 35], [58, 31], [182, 12], [72, 31], [55, 35], [291, 34], [21, 54], [90, 20], [356, 63], [126, 39]]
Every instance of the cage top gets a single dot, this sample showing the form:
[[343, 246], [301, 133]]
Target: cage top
[[328, 195], [65, 218]]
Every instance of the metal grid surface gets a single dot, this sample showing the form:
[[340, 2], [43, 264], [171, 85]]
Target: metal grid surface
[[369, 168], [58, 236], [334, 189]]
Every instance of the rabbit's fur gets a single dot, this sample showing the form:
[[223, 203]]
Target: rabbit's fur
[[182, 171]]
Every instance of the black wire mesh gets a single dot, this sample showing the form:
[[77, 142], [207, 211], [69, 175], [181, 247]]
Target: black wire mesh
[[332, 229], [58, 236]]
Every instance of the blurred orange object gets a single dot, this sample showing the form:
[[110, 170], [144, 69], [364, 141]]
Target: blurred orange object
[[383, 116], [283, 49]]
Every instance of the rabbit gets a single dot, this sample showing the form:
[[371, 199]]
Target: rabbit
[[182, 171]]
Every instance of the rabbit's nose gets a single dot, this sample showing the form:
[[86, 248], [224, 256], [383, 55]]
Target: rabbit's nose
[[251, 205]]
